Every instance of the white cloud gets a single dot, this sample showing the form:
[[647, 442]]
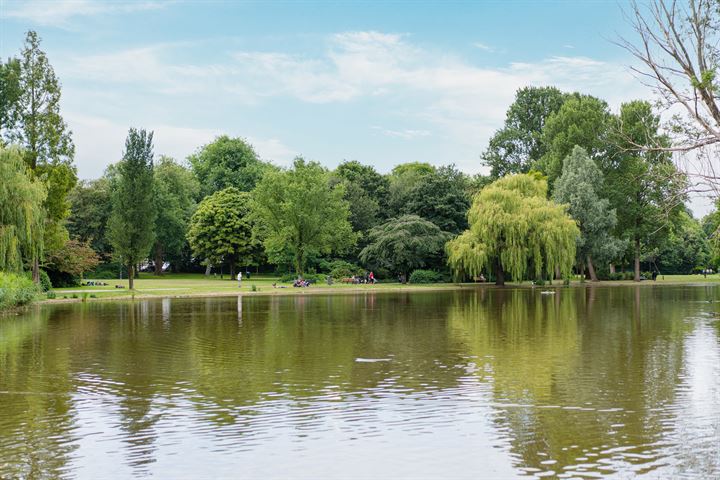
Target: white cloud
[[96, 136], [483, 46], [406, 134], [460, 101], [59, 12]]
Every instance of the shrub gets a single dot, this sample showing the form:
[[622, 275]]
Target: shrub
[[51, 295], [253, 288], [425, 276], [16, 290], [45, 283], [342, 269]]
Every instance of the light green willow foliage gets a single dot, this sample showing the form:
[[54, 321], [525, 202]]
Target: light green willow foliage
[[513, 222], [22, 216]]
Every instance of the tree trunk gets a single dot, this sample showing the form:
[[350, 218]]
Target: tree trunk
[[612, 268], [499, 274], [36, 271], [637, 260], [232, 268], [208, 269], [131, 276], [591, 269], [582, 271], [158, 259]]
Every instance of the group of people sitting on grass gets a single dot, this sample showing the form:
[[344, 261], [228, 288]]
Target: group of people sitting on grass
[[92, 283], [368, 277]]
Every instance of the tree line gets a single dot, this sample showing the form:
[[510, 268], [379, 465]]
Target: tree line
[[568, 190]]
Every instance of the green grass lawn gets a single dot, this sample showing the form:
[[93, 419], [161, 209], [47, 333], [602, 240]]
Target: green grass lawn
[[198, 284]]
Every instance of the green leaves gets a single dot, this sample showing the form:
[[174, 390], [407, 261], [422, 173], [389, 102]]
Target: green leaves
[[299, 213], [512, 223], [131, 226], [403, 244], [221, 228], [22, 216]]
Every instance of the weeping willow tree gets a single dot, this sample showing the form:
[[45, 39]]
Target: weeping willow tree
[[22, 216], [513, 227]]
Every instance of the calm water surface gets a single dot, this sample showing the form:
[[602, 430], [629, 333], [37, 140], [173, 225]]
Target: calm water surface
[[603, 382]]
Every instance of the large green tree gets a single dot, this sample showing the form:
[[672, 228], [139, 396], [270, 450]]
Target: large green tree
[[221, 229], [366, 191], [131, 228], [442, 198], [513, 226], [299, 213], [582, 120], [518, 145], [175, 190], [402, 179], [22, 216], [643, 186], [403, 244], [90, 207], [686, 249], [227, 162], [32, 119], [580, 187]]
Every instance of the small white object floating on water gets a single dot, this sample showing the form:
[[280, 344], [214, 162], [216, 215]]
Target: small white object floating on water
[[371, 360], [547, 292]]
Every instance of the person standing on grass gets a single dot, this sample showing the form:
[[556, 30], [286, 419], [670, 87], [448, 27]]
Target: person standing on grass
[[239, 279]]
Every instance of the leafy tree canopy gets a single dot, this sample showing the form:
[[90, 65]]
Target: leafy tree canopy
[[442, 198], [175, 190], [221, 229], [91, 205], [644, 187], [301, 214], [403, 244], [579, 187], [22, 217], [131, 226], [514, 225], [518, 145], [582, 120], [227, 162]]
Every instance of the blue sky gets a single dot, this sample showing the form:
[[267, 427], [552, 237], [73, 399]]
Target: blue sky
[[379, 82]]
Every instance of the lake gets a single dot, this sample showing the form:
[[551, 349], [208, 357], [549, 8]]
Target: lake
[[480, 383]]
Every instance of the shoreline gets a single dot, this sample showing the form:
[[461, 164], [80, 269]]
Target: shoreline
[[291, 291]]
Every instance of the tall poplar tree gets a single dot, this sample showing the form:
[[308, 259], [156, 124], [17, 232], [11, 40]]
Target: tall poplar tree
[[131, 228], [31, 118]]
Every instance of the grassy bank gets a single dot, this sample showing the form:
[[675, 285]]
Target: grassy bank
[[197, 285]]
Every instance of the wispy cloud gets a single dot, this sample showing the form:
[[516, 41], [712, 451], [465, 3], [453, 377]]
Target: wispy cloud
[[406, 134], [483, 46], [95, 136], [59, 12], [450, 96]]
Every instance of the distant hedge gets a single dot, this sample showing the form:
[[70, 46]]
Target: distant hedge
[[16, 290], [425, 276]]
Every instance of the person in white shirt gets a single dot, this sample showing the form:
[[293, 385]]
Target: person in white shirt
[[239, 279]]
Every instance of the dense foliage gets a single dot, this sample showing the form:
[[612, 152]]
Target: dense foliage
[[16, 290], [130, 227], [22, 217], [580, 186], [513, 226], [221, 229], [403, 244], [299, 214]]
